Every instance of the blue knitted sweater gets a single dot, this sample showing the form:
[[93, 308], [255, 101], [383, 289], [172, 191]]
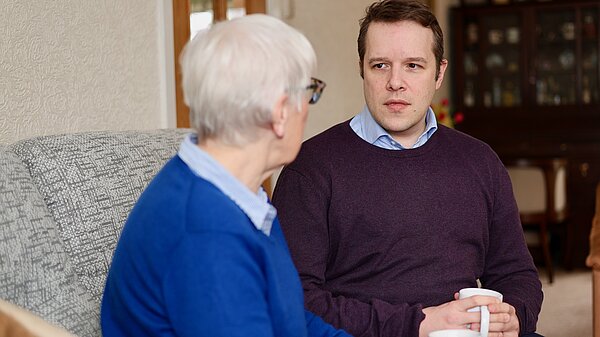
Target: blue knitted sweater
[[190, 263]]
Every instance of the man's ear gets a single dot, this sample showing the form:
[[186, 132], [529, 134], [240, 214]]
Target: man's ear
[[361, 69], [440, 78], [279, 115]]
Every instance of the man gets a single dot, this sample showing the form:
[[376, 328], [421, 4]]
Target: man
[[202, 252], [388, 215]]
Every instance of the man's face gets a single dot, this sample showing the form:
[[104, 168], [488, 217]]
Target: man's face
[[399, 77]]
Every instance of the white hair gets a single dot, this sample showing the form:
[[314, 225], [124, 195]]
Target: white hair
[[234, 72]]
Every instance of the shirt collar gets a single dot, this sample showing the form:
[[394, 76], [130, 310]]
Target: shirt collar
[[255, 206], [372, 132]]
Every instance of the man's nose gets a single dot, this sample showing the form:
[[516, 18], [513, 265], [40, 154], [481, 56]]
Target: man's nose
[[396, 80]]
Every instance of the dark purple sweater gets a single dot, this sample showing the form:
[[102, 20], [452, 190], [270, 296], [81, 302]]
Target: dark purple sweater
[[377, 235]]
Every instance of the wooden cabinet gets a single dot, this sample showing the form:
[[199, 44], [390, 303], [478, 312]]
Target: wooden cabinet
[[526, 77]]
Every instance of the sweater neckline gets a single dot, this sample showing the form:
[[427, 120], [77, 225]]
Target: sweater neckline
[[432, 143]]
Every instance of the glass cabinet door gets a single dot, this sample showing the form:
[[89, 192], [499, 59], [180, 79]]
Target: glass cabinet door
[[502, 57], [556, 53], [492, 61], [527, 57], [590, 89], [471, 63]]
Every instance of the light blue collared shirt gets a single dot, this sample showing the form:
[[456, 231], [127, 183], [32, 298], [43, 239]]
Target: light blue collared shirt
[[367, 128], [255, 206]]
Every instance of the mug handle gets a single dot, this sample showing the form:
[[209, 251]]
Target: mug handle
[[485, 321]]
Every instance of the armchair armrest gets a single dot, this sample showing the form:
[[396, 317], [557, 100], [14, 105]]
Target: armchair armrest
[[593, 261], [30, 324]]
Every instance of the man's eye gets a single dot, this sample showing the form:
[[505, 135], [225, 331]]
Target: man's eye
[[379, 66], [413, 66]]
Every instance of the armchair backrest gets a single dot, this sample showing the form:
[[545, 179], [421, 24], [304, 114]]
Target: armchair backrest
[[540, 185]]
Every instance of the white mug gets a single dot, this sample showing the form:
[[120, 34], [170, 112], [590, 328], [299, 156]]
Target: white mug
[[454, 333], [485, 313]]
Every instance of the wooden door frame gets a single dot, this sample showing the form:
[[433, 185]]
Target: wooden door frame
[[181, 34]]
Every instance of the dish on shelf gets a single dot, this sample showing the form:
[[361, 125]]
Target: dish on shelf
[[566, 59], [494, 60]]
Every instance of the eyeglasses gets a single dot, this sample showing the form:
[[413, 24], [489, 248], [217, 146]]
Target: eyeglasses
[[317, 86]]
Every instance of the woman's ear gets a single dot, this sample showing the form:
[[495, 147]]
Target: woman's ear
[[279, 115]]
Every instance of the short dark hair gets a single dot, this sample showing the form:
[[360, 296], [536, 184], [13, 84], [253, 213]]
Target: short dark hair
[[390, 11]]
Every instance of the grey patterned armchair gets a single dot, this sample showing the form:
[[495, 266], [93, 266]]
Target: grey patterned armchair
[[63, 202]]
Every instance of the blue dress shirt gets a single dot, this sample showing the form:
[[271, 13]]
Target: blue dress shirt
[[368, 129]]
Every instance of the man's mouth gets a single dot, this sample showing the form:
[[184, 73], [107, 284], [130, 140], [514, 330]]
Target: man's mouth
[[396, 104]]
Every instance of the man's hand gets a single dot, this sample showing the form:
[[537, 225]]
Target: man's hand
[[454, 315], [503, 320]]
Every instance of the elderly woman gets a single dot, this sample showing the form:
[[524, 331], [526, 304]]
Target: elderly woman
[[202, 253]]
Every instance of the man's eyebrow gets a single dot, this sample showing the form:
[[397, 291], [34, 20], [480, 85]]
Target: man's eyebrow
[[416, 59], [378, 59], [409, 59]]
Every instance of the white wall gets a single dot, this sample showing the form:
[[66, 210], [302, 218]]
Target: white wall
[[332, 28], [77, 65]]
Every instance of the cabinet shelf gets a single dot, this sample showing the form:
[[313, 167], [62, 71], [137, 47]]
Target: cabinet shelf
[[557, 73], [556, 43], [589, 40], [502, 72], [503, 46]]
